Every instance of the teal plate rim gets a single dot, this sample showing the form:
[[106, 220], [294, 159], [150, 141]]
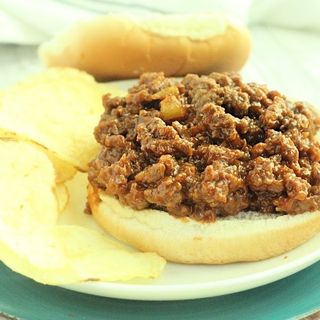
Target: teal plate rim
[[289, 298]]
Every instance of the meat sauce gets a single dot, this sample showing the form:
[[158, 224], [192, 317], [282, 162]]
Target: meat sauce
[[208, 146]]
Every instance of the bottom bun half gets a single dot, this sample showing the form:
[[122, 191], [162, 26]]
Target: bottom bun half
[[249, 236]]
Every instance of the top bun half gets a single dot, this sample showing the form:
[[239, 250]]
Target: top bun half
[[121, 46]]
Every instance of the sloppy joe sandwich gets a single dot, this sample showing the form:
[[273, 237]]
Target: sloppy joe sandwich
[[119, 46], [207, 169]]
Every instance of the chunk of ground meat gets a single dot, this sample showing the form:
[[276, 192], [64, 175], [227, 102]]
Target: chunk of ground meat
[[264, 174], [159, 139]]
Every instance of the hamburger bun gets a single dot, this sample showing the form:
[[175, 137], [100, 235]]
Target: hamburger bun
[[120, 46], [248, 236]]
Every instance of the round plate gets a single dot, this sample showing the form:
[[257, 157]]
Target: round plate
[[180, 282], [285, 299]]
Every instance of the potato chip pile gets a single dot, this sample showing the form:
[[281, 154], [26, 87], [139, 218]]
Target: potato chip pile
[[46, 139]]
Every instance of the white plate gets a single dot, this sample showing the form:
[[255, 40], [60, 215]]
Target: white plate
[[179, 282]]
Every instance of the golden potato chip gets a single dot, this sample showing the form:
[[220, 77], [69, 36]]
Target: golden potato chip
[[58, 109], [62, 195], [96, 257], [69, 254], [10, 135], [64, 170], [27, 179], [32, 243]]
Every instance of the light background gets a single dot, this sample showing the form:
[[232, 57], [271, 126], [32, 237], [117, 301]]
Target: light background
[[285, 35]]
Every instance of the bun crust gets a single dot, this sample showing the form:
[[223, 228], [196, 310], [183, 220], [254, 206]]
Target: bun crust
[[246, 237], [119, 47]]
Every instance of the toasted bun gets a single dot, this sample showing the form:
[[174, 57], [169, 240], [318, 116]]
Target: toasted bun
[[248, 236], [119, 46]]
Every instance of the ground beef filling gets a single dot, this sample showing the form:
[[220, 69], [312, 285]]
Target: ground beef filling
[[208, 146]]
